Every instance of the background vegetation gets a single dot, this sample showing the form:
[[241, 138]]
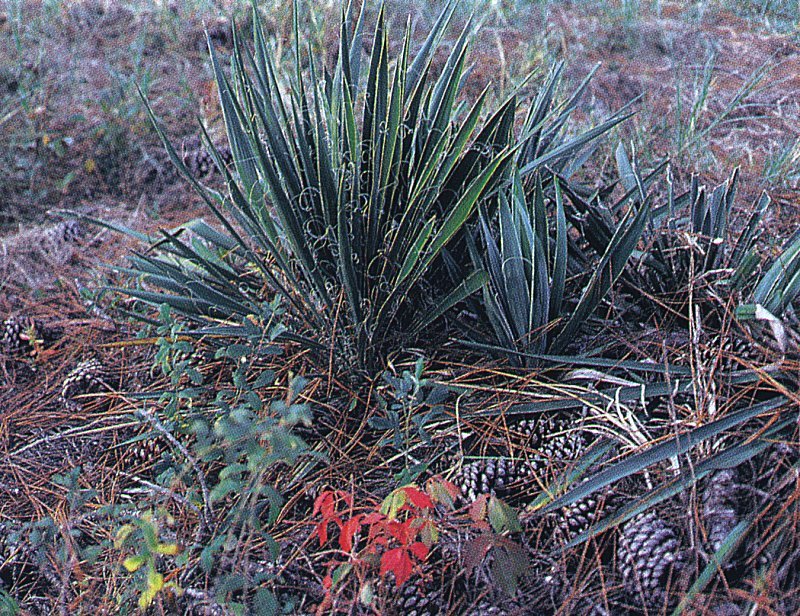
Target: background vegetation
[[507, 333]]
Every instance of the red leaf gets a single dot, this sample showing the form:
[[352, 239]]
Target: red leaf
[[476, 550], [401, 531], [419, 549], [318, 502], [373, 518], [349, 528], [479, 508], [482, 526], [418, 498], [322, 532], [398, 562], [324, 503], [376, 530], [327, 582]]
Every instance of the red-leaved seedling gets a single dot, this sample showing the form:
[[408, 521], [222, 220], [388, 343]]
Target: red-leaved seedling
[[400, 532]]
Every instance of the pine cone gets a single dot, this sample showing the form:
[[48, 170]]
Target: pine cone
[[22, 332], [147, 450], [561, 443], [585, 606], [538, 444], [487, 608], [648, 554], [491, 476], [579, 516], [723, 350], [199, 161], [720, 507], [87, 377], [151, 448], [67, 232], [419, 600]]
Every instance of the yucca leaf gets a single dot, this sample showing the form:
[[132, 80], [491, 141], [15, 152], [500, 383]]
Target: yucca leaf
[[587, 459], [717, 562], [497, 306], [471, 284], [351, 51], [730, 457], [611, 266], [575, 144], [419, 67], [466, 204], [540, 305], [415, 253], [116, 227], [445, 90], [559, 270], [775, 289], [748, 235], [625, 169], [577, 398], [557, 361], [516, 285], [210, 234], [669, 449], [191, 307], [233, 117]]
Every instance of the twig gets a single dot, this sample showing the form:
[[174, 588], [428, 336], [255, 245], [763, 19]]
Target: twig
[[76, 431], [204, 598], [201, 528], [207, 515]]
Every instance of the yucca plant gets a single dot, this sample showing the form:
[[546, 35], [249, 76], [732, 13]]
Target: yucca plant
[[702, 247], [366, 185], [688, 241], [779, 287], [524, 301], [772, 298], [689, 246], [351, 196]]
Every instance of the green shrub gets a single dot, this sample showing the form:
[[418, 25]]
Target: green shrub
[[231, 437]]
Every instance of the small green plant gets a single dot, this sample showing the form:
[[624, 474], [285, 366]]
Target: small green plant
[[174, 352], [246, 434], [8, 605], [410, 403], [694, 126], [62, 545], [142, 537], [783, 166]]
